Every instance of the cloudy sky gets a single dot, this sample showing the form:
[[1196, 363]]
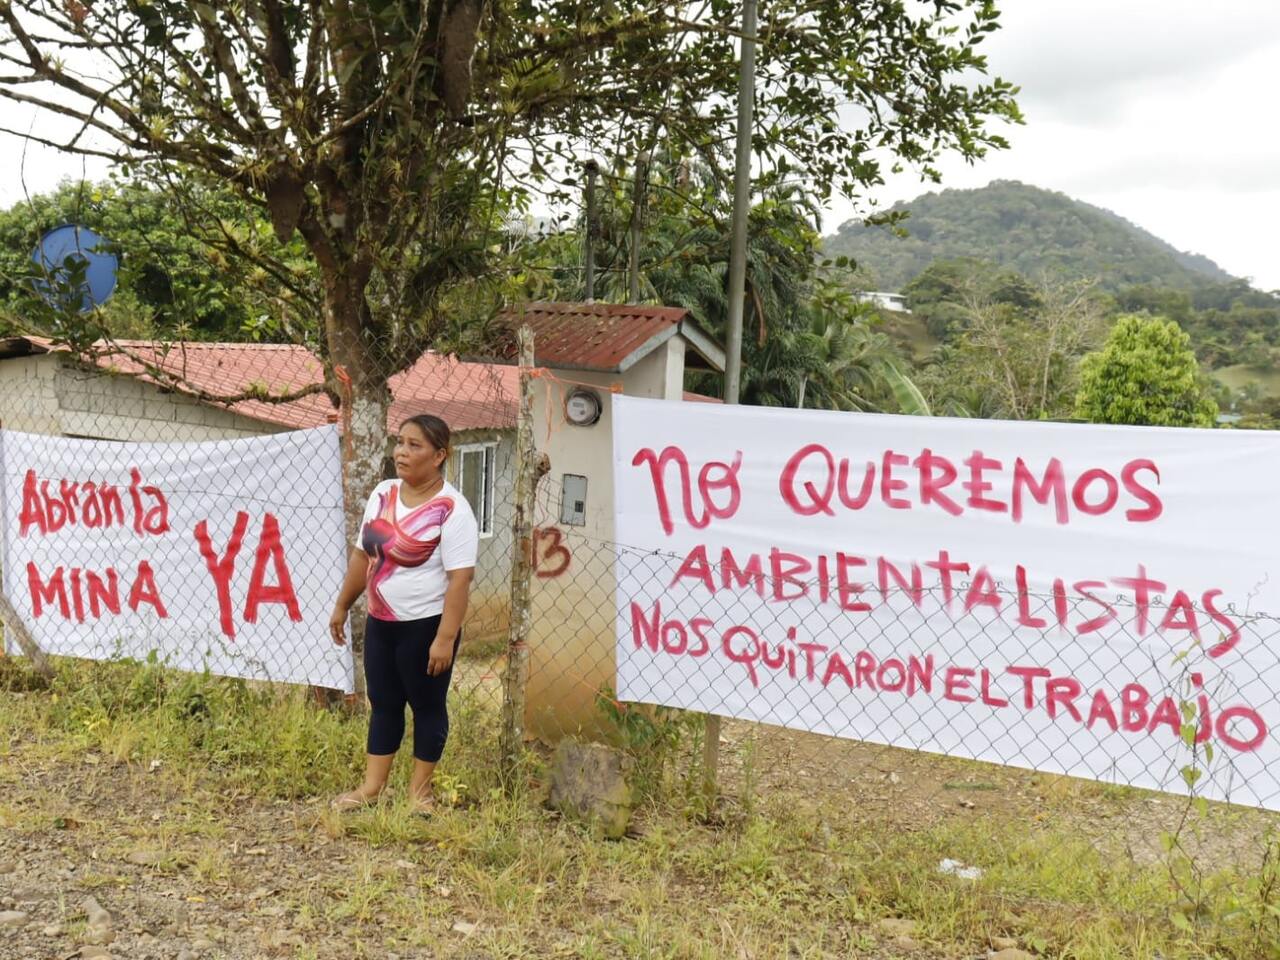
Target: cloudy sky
[[1165, 111]]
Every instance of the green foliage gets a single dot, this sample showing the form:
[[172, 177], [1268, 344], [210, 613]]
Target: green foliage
[[807, 341], [178, 274], [658, 740], [1229, 323], [944, 291], [1024, 229], [1145, 373], [397, 139], [269, 741], [1009, 347], [831, 357]]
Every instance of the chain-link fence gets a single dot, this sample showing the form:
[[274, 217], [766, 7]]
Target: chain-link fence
[[932, 712], [910, 735], [128, 542], [888, 731]]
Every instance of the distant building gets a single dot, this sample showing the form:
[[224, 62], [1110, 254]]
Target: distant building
[[885, 301]]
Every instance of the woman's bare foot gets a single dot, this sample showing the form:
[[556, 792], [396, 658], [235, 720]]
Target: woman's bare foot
[[423, 805], [354, 800]]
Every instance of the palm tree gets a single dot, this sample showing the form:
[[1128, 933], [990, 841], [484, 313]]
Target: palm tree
[[807, 342], [837, 361]]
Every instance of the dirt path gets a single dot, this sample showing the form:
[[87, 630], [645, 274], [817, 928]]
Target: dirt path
[[186, 875]]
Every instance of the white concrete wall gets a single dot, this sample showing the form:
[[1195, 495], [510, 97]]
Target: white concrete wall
[[48, 393], [572, 644], [489, 611], [28, 397], [116, 407]]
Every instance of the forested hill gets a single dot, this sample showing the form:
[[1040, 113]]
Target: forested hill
[[1025, 228]]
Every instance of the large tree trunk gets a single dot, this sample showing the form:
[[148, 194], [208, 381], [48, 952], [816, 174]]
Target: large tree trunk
[[366, 400]]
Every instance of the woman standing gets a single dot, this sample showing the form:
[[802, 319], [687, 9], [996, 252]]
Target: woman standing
[[416, 557]]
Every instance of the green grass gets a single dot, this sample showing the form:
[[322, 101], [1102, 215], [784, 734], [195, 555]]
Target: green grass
[[1240, 375], [791, 874]]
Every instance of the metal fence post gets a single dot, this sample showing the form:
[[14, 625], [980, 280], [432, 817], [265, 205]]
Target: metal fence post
[[516, 673]]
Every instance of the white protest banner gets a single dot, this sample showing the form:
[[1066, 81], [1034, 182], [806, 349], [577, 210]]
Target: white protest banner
[[225, 556], [1087, 600]]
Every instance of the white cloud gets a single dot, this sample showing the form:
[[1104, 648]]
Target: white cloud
[[1161, 111], [1085, 60]]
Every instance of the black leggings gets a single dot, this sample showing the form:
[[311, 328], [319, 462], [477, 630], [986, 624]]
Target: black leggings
[[395, 669]]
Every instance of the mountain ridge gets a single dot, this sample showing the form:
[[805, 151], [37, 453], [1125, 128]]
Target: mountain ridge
[[1023, 227]]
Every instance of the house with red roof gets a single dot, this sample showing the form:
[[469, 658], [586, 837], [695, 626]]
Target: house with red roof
[[143, 391]]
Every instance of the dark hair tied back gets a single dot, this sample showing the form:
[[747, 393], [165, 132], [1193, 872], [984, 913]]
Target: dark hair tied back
[[433, 428]]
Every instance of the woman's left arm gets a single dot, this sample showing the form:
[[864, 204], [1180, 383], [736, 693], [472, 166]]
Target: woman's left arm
[[455, 608]]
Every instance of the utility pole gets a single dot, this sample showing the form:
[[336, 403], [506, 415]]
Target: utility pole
[[737, 294], [589, 254], [741, 205], [638, 189]]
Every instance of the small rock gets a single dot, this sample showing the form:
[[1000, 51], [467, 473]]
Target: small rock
[[94, 953], [186, 955], [94, 914], [905, 943], [589, 781], [1010, 953], [52, 930], [7, 867], [202, 945], [406, 865], [1003, 943], [464, 928], [895, 927], [12, 918]]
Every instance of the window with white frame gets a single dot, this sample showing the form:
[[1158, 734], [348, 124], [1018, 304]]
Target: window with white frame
[[475, 475]]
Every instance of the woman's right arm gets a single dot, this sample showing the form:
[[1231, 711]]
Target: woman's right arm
[[352, 586]]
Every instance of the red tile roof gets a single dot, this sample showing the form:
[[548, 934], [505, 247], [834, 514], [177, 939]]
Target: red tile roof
[[603, 337], [467, 396]]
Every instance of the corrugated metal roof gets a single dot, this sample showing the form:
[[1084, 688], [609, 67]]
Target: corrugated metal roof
[[467, 396], [600, 337]]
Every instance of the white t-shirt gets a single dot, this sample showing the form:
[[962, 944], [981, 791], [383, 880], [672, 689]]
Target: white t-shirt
[[410, 548]]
